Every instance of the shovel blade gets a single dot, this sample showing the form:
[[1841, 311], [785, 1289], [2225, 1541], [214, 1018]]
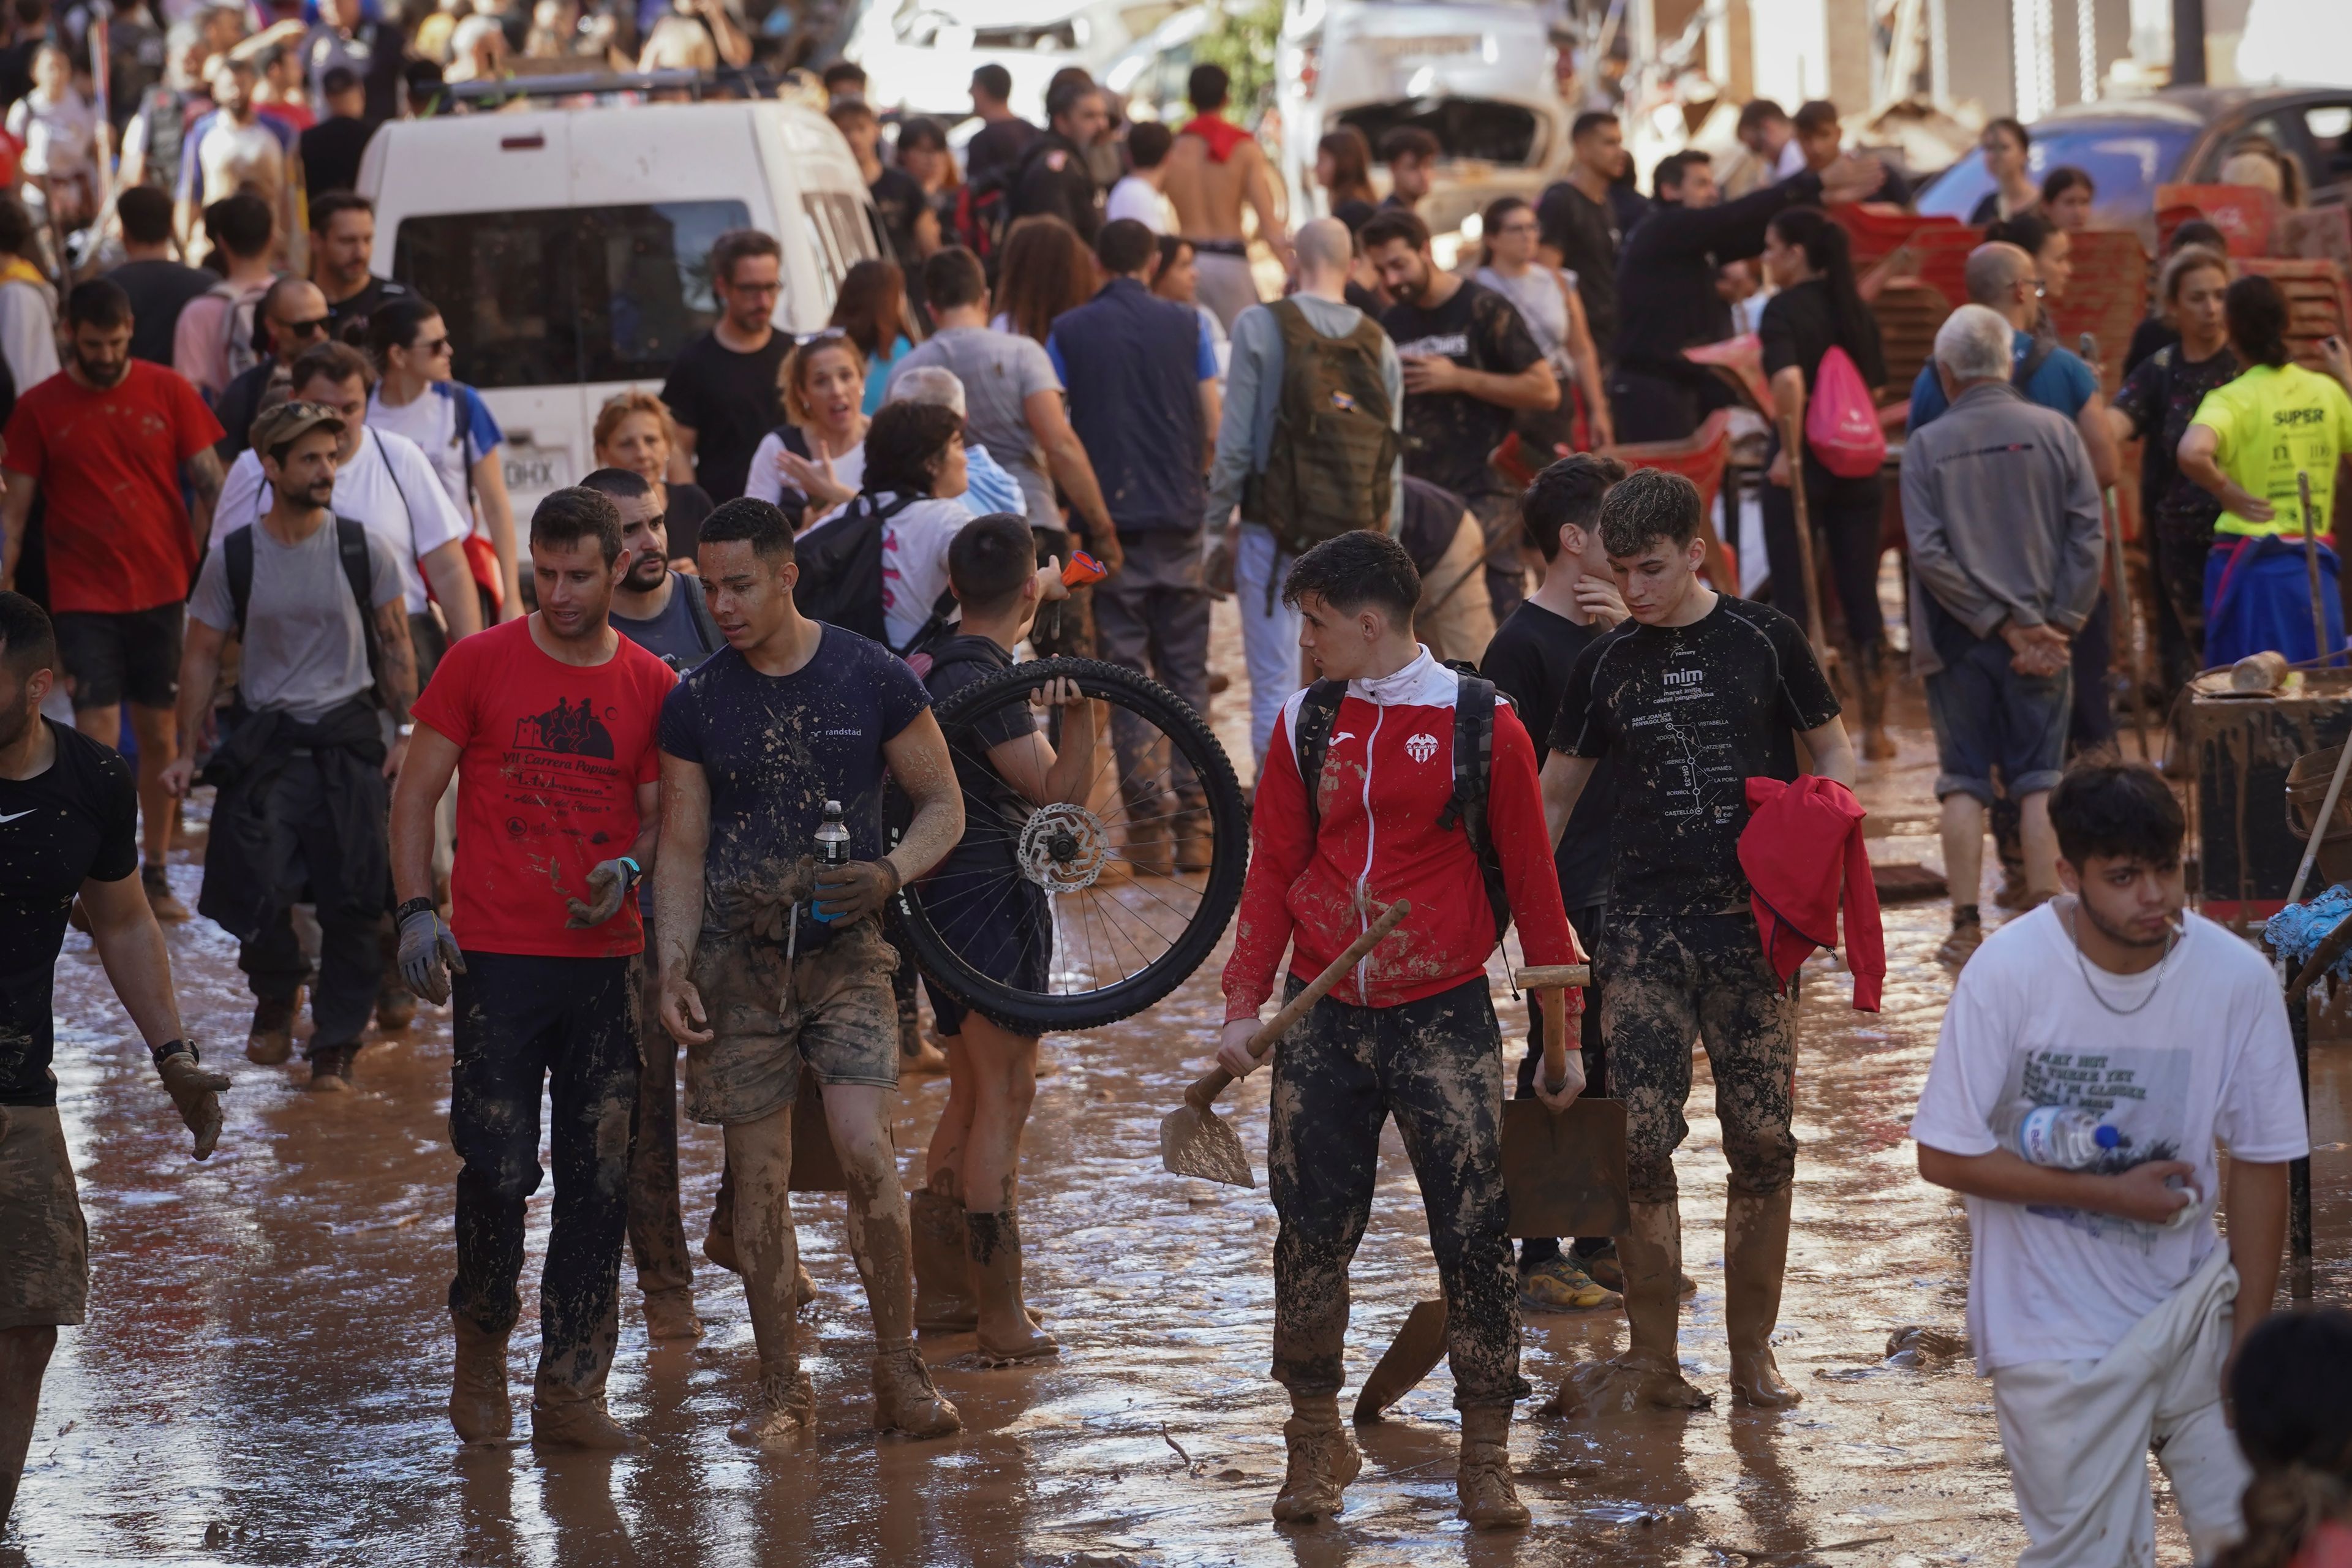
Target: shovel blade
[[1565, 1173], [1419, 1346], [1200, 1143]]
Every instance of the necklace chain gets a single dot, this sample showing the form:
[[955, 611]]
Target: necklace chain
[[2163, 968]]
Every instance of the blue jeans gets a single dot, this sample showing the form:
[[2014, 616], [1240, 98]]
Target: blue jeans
[[1988, 716]]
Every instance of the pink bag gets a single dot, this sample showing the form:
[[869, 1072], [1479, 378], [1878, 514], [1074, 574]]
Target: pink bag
[[1841, 422]]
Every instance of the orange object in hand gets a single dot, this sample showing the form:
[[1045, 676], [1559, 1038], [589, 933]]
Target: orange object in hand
[[1082, 570]]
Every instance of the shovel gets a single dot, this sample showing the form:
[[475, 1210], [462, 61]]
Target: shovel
[[1193, 1139]]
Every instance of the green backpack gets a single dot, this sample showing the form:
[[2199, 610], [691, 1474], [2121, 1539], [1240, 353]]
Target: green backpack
[[1334, 447]]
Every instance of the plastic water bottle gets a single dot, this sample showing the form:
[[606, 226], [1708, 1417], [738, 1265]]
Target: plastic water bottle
[[832, 839], [2059, 1135]]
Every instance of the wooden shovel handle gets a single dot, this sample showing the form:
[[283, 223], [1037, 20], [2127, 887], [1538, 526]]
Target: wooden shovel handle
[[1555, 1057], [1212, 1083]]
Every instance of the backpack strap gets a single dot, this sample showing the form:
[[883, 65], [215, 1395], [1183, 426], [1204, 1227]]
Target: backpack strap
[[359, 570], [2037, 355], [698, 610], [236, 564], [941, 616], [1318, 713], [1473, 766]]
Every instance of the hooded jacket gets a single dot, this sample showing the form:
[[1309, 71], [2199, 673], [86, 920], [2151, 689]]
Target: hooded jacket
[[1801, 847]]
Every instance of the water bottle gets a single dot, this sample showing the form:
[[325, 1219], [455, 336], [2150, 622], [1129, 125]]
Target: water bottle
[[2059, 1135], [832, 839]]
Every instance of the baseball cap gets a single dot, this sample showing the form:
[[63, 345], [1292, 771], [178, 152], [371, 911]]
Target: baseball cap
[[291, 421]]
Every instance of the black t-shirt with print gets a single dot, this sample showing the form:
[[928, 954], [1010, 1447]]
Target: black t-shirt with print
[[1448, 435], [1529, 659], [77, 821], [2161, 398], [1690, 714]]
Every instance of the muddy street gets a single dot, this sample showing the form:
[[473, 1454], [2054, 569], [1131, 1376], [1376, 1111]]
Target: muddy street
[[265, 1369]]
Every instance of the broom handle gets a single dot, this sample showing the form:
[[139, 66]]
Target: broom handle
[[1212, 1083]]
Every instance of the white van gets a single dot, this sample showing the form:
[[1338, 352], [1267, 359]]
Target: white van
[[919, 55], [569, 251]]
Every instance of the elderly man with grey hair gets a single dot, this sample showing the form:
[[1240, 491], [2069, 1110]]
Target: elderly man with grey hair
[[987, 486], [2002, 507]]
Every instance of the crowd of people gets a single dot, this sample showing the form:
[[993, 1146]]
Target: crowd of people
[[580, 777]]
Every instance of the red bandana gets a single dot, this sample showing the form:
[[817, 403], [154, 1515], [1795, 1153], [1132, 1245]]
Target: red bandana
[[1222, 134]]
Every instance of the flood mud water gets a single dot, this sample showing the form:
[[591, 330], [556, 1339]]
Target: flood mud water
[[265, 1371]]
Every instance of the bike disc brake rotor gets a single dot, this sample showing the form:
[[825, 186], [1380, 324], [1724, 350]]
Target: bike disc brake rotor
[[1063, 848]]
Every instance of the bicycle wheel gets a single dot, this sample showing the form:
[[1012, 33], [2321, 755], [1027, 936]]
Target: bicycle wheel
[[1086, 911]]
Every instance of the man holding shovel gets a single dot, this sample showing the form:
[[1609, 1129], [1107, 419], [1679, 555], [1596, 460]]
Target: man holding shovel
[[1409, 1031]]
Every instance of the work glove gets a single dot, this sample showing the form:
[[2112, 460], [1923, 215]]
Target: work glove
[[428, 952], [196, 1092], [847, 894], [608, 888]]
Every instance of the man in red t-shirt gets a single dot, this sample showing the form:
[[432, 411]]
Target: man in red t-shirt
[[549, 721], [111, 439]]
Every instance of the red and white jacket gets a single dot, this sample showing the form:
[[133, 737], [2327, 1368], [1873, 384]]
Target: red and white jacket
[[1387, 778]]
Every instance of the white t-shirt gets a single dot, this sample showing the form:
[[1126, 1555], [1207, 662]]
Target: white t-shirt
[[1134, 197], [406, 509], [765, 482], [232, 157], [2209, 1056], [60, 139], [452, 426], [915, 561]]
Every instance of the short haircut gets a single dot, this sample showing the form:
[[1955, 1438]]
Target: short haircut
[[1569, 491], [744, 521], [326, 209], [1668, 175], [1755, 112], [276, 293], [565, 517], [621, 484], [1208, 88], [2291, 1389], [1392, 224], [2116, 810], [1648, 505], [933, 383], [2256, 311], [1973, 343], [844, 73], [1067, 92], [2027, 231], [339, 80], [994, 80], [2189, 258], [146, 215], [2196, 231], [330, 361], [953, 278], [851, 111], [99, 303], [989, 560], [2013, 126], [1125, 246], [1409, 142], [736, 245], [1323, 243], [28, 640], [1354, 569], [242, 224], [1993, 269], [1591, 121], [1819, 114], [16, 227], [1147, 143], [902, 442]]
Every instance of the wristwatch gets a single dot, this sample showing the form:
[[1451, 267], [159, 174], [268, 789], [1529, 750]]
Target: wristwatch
[[408, 907]]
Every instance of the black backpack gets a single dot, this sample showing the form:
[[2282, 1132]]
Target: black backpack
[[841, 573], [1473, 763], [350, 544]]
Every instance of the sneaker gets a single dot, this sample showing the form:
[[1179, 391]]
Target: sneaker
[[270, 1040], [331, 1068], [160, 897], [1602, 1268], [1557, 1285]]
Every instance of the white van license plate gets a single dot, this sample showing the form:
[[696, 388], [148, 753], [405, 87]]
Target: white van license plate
[[1428, 48], [533, 469]]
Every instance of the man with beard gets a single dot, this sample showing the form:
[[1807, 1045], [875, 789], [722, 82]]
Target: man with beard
[[1470, 364], [317, 602], [116, 444], [68, 811]]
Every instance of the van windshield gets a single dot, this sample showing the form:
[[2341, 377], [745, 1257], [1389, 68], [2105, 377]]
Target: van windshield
[[560, 296], [1465, 127]]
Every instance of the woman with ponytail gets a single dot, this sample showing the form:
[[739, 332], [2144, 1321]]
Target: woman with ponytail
[[1818, 309], [2291, 1391]]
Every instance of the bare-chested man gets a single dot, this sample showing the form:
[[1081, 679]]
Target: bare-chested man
[[1215, 168]]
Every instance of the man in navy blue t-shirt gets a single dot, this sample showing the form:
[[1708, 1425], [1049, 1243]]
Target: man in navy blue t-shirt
[[767, 966]]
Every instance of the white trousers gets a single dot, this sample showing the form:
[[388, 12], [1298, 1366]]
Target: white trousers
[[1269, 631]]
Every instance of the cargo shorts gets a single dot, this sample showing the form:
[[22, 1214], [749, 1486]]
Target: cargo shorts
[[44, 1245], [835, 1010]]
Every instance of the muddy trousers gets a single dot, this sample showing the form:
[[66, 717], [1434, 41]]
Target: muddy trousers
[[571, 1023], [656, 1229], [1665, 980], [1436, 1065], [303, 852], [1153, 618]]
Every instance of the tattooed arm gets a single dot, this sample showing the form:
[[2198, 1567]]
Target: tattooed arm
[[204, 479], [395, 674]]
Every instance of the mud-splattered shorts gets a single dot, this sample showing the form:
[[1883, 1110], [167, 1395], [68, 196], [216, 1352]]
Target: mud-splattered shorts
[[1667, 979], [44, 1245], [841, 1017]]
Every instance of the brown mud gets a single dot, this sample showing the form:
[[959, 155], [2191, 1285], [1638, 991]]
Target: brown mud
[[265, 1372]]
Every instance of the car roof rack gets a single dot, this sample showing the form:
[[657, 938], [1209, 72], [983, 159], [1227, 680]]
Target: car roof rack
[[727, 81]]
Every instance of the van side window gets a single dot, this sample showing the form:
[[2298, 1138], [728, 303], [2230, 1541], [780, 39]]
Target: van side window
[[559, 296], [841, 235]]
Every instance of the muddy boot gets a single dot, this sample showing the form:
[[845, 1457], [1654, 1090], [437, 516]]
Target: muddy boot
[[1193, 837], [669, 1315], [160, 898], [270, 1038], [782, 1417], [395, 1006], [1482, 1481], [1008, 1335], [572, 1415], [906, 1401], [1648, 1374], [943, 1299], [1755, 1257], [1322, 1461], [1148, 850], [480, 1406], [331, 1068], [804, 1288], [1870, 678]]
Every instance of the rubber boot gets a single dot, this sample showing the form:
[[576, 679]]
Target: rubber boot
[[270, 1039], [1755, 1257], [1649, 1373], [1192, 835], [943, 1298], [905, 1400], [1008, 1335], [670, 1315], [1870, 679], [782, 1417], [1323, 1460], [330, 1067], [1148, 848], [480, 1406], [1483, 1494], [570, 1414]]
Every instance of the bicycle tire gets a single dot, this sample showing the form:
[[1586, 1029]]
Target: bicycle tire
[[1034, 1013]]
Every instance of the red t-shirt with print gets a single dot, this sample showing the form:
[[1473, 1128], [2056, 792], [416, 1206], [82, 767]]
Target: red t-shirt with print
[[552, 756], [118, 532]]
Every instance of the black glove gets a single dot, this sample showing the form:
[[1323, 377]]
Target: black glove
[[196, 1091]]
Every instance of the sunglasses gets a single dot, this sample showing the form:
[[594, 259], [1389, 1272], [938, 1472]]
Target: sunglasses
[[316, 327], [439, 345]]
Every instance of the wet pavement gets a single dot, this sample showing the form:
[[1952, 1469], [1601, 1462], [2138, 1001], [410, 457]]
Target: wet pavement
[[263, 1375]]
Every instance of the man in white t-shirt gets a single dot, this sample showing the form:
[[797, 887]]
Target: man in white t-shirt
[[2101, 1301], [236, 149], [1137, 195]]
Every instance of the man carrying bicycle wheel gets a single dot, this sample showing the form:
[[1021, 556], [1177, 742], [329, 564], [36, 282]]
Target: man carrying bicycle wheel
[[1410, 1032]]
